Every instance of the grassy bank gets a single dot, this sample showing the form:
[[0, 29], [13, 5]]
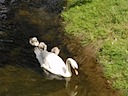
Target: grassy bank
[[106, 21]]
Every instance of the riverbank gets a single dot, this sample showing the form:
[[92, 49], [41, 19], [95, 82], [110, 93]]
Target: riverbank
[[103, 24]]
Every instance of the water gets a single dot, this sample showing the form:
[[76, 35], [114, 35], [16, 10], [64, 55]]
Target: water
[[20, 73]]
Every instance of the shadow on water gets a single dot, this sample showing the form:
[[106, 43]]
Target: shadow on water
[[20, 73]]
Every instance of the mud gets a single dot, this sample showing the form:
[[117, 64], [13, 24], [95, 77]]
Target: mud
[[90, 71]]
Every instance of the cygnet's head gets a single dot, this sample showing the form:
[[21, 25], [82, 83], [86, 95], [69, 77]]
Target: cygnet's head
[[55, 50], [42, 45], [33, 41]]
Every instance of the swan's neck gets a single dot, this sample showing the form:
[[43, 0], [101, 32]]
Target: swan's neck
[[68, 68]]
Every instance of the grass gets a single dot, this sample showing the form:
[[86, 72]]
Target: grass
[[106, 20]]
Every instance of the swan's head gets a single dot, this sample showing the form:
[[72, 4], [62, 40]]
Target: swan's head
[[74, 65], [42, 45], [33, 41], [55, 50]]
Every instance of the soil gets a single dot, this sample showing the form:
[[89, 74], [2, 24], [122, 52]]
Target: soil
[[90, 71]]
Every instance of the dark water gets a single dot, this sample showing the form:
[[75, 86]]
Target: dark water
[[20, 74]]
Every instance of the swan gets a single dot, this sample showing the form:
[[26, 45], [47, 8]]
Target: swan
[[42, 46], [52, 62], [55, 50], [33, 41]]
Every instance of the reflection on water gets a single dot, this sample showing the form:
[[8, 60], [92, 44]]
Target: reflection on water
[[20, 74], [17, 80]]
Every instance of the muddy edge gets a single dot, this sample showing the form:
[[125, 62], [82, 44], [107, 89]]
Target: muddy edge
[[89, 68]]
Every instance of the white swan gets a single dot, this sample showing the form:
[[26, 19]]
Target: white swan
[[33, 41], [42, 46], [55, 50], [52, 62]]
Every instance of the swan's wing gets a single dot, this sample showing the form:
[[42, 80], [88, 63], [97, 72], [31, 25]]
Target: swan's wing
[[50, 61], [56, 64], [40, 55]]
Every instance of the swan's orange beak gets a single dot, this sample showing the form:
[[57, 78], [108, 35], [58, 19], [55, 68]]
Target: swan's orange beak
[[76, 71]]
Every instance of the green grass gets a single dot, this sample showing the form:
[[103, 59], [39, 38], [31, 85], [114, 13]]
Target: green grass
[[114, 56], [106, 20]]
